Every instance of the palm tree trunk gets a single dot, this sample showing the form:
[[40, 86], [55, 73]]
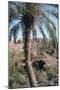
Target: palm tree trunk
[[15, 39], [27, 48]]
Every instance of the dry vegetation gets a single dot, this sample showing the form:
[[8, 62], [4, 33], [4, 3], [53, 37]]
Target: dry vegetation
[[45, 67]]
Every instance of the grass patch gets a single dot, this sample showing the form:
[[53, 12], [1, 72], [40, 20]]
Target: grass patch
[[18, 77]]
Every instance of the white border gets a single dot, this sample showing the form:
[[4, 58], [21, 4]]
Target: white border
[[4, 42]]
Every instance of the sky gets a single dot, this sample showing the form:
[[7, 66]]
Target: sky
[[39, 35]]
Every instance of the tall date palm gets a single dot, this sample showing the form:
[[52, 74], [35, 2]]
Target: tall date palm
[[30, 15]]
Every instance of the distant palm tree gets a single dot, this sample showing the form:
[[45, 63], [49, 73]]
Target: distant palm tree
[[29, 16]]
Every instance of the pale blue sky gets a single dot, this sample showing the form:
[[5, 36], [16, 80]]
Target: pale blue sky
[[39, 35]]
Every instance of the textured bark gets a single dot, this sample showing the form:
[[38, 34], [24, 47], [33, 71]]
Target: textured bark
[[32, 78]]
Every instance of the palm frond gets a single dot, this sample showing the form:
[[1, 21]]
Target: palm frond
[[13, 23], [14, 32], [52, 35], [41, 30], [54, 13], [34, 32], [49, 20], [43, 34]]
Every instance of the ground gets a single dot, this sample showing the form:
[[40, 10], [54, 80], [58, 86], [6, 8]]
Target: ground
[[46, 75]]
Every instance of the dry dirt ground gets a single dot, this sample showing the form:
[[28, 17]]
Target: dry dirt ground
[[49, 59], [18, 76]]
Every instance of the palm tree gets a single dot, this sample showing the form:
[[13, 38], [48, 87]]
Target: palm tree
[[29, 16]]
